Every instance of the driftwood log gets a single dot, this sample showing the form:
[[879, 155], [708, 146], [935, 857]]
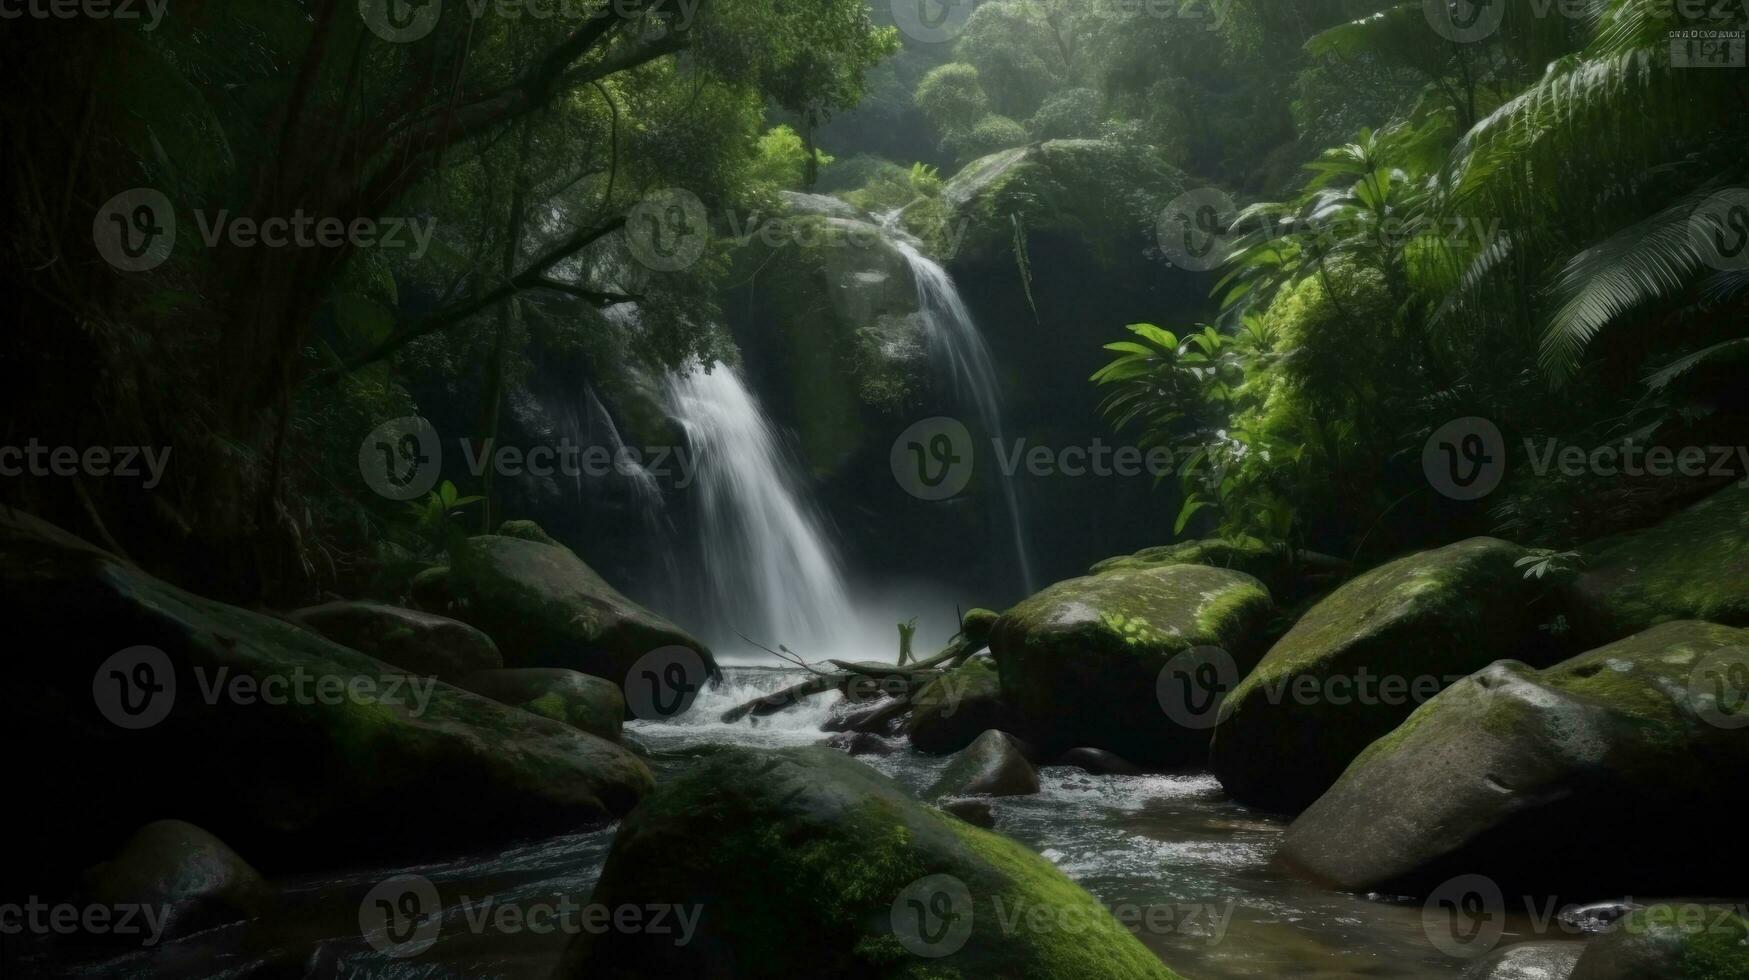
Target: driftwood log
[[898, 681]]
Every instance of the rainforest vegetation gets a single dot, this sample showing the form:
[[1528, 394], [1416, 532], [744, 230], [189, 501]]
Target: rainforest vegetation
[[478, 452]]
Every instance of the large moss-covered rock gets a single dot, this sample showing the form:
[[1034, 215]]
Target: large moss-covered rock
[[1690, 941], [1361, 660], [1250, 556], [812, 864], [187, 875], [993, 765], [829, 325], [1613, 772], [1081, 661], [593, 704], [546, 608], [417, 642], [292, 748], [955, 708], [1695, 565]]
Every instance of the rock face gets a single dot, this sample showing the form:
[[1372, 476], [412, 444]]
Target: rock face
[[952, 710], [820, 867], [546, 608], [1614, 772], [993, 765], [290, 747], [416, 642], [1670, 942], [593, 704], [1695, 565], [1320, 696], [1082, 661], [182, 869], [1254, 558], [1098, 762]]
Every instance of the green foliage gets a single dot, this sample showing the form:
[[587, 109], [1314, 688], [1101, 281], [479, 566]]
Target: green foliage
[[1073, 113], [781, 160], [952, 97], [434, 523], [988, 135]]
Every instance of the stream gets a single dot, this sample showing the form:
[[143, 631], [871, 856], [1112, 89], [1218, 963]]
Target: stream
[[1191, 868]]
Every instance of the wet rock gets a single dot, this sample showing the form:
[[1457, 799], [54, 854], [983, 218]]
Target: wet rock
[[418, 642], [821, 867], [993, 765], [187, 877], [1098, 762], [975, 812], [1527, 961], [1689, 941], [955, 708], [1081, 662], [861, 743], [546, 608], [593, 704], [1615, 771], [1360, 661], [885, 716]]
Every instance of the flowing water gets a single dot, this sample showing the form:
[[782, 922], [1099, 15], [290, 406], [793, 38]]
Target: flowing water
[[1189, 868], [956, 344]]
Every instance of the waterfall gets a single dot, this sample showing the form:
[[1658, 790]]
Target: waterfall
[[954, 341], [766, 567]]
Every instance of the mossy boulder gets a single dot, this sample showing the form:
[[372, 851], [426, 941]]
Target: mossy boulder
[[1689, 941], [1359, 661], [955, 708], [292, 748], [187, 875], [546, 608], [976, 624], [593, 704], [993, 765], [1613, 772], [417, 642], [527, 531], [1081, 661], [1250, 556], [818, 866], [1695, 565]]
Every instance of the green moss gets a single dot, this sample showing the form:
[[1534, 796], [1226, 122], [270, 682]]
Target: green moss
[[1695, 565]]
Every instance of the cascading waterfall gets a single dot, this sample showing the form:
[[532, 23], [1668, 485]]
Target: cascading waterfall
[[767, 567], [954, 340]]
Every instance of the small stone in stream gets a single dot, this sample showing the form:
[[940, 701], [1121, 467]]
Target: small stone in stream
[[861, 743], [975, 812], [1098, 762], [993, 765], [191, 876]]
